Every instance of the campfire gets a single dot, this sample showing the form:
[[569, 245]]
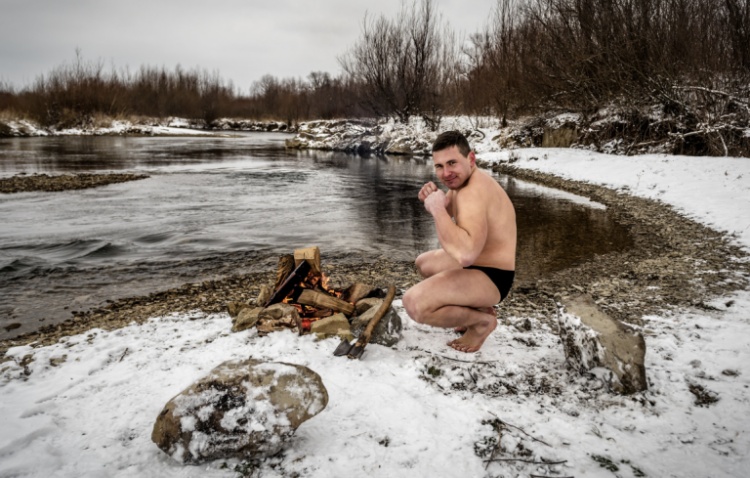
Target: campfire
[[302, 299]]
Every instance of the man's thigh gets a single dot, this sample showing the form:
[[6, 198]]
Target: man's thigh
[[433, 262], [461, 287]]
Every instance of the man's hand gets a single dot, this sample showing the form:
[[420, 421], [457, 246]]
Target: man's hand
[[426, 190], [436, 201]]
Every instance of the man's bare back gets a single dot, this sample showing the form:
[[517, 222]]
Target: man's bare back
[[474, 268]]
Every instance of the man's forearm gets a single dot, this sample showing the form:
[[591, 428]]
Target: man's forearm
[[454, 240]]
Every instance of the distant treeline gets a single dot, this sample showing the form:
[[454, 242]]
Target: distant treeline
[[688, 57]]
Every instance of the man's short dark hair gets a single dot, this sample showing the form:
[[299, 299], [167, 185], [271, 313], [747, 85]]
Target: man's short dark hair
[[448, 139]]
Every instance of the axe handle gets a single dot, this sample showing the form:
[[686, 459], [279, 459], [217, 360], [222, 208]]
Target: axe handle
[[365, 337]]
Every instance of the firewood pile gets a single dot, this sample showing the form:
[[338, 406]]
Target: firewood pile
[[301, 299]]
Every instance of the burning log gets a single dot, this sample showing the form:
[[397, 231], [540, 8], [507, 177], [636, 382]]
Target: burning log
[[297, 276], [302, 288], [322, 300]]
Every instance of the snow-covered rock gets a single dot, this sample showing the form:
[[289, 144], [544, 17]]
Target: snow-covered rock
[[242, 408], [598, 344]]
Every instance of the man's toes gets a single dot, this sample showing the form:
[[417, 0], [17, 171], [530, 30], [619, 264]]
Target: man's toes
[[458, 345]]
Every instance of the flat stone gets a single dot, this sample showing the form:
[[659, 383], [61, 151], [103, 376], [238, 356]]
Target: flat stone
[[336, 325], [277, 317], [246, 319], [278, 312], [234, 308]]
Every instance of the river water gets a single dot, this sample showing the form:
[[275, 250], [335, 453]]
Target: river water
[[214, 206]]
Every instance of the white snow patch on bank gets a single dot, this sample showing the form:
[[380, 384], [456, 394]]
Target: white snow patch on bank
[[170, 127], [711, 190]]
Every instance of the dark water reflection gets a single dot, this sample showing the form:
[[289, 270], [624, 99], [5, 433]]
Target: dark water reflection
[[557, 230], [217, 206]]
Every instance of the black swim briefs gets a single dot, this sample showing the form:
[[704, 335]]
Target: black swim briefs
[[502, 279]]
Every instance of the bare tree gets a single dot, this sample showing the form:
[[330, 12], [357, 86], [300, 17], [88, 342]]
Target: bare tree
[[405, 64], [738, 16], [495, 63]]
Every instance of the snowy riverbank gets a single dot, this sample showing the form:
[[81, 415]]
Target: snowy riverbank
[[85, 406], [105, 126]]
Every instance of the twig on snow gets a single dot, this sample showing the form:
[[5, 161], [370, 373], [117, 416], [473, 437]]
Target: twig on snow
[[521, 430], [548, 476], [499, 431], [534, 462]]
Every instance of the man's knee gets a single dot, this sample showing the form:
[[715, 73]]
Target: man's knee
[[422, 264], [414, 305], [429, 263]]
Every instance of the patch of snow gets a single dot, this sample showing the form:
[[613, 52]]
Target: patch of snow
[[711, 190]]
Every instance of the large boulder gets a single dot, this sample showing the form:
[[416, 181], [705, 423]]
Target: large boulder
[[595, 342], [241, 409]]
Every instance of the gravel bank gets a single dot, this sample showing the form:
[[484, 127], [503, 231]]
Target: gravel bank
[[44, 182]]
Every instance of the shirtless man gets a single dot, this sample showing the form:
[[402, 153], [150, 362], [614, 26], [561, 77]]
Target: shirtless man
[[474, 268]]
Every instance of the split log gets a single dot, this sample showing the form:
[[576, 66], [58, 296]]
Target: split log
[[309, 254], [286, 266], [322, 300], [356, 292], [297, 276]]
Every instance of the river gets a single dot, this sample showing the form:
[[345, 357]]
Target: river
[[214, 206]]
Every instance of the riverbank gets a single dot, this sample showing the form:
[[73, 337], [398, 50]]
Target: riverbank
[[610, 131], [63, 182], [137, 126]]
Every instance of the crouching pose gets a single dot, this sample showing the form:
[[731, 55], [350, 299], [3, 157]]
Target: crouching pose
[[474, 268]]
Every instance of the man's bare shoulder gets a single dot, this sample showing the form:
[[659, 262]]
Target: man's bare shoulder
[[482, 185], [475, 195]]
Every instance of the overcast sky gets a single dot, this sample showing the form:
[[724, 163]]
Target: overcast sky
[[242, 39]]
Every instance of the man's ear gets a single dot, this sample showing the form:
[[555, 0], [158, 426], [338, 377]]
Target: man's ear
[[472, 158]]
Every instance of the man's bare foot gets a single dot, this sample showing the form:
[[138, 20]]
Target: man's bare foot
[[474, 337], [487, 310]]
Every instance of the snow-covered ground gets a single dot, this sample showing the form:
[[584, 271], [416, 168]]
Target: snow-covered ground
[[86, 406]]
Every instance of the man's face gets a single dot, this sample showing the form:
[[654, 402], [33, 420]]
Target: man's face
[[451, 167]]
